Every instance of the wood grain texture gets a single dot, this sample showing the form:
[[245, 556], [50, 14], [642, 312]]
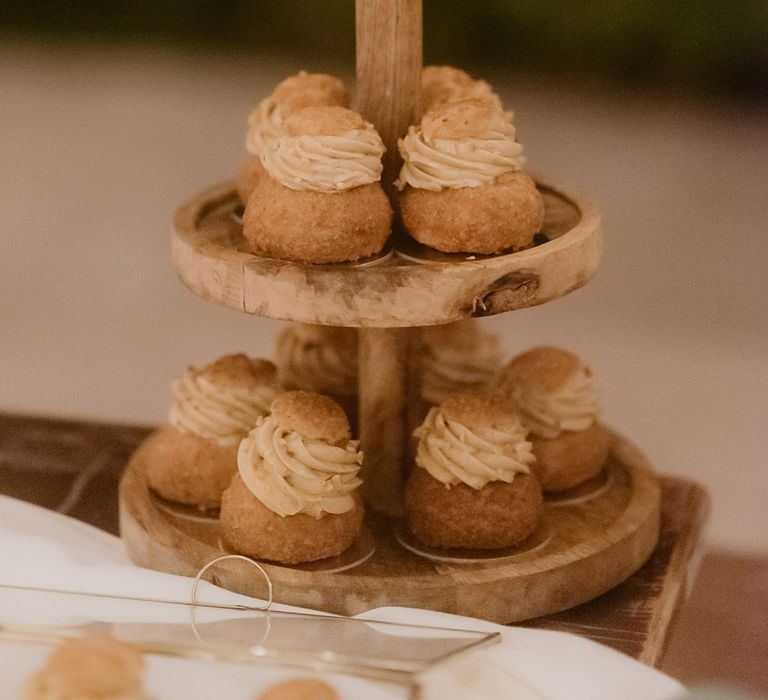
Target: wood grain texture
[[388, 58], [415, 287], [594, 547], [638, 616], [388, 379], [42, 459], [68, 466]]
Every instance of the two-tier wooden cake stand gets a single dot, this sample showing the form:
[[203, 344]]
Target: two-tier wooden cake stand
[[591, 545]]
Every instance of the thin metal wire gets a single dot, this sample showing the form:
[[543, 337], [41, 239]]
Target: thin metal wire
[[137, 599], [199, 637], [241, 557]]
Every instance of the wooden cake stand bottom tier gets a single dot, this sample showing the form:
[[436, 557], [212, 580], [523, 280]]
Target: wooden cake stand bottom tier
[[593, 546]]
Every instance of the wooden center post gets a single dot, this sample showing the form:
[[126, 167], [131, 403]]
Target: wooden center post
[[389, 58]]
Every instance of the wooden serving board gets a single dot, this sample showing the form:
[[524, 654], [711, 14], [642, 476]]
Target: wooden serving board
[[594, 546]]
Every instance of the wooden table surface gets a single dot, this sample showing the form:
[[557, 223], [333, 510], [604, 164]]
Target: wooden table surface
[[73, 467]]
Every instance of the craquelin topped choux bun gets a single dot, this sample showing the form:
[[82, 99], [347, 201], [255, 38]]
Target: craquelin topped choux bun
[[265, 123], [560, 405], [462, 185], [93, 667], [443, 84], [294, 498], [472, 485], [323, 201], [192, 460], [457, 357]]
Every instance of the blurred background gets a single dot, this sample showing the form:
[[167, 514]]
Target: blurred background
[[701, 46], [114, 112]]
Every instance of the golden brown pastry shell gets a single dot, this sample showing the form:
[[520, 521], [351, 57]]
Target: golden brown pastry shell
[[316, 227], [502, 215], [249, 527], [186, 468], [496, 516], [572, 458]]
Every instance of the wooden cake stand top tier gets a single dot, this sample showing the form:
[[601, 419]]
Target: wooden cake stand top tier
[[408, 285]]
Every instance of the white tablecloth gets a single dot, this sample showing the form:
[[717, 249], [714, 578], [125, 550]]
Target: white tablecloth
[[44, 549]]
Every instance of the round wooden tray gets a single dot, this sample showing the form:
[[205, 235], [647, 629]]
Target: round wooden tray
[[594, 545], [411, 286]]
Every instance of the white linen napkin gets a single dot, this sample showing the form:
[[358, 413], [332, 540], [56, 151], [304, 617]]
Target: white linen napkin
[[40, 548]]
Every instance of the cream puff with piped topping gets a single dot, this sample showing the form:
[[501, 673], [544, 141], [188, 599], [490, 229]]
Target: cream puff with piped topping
[[192, 460], [473, 486], [457, 357], [92, 667], [323, 201], [294, 498], [462, 187], [556, 396], [265, 122]]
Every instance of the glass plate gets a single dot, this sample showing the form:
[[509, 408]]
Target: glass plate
[[204, 525], [583, 493], [533, 543], [367, 648]]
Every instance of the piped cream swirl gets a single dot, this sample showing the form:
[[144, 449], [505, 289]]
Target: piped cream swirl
[[291, 474], [453, 454], [447, 368], [574, 406], [223, 414], [325, 162], [439, 163], [265, 124]]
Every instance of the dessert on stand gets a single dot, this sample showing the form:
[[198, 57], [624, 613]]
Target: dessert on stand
[[474, 235]]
